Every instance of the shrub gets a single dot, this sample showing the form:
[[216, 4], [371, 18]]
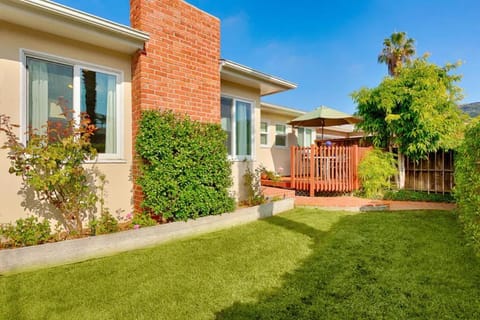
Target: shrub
[[467, 183], [26, 232], [51, 165], [185, 172], [375, 172], [105, 224], [143, 220], [251, 181]]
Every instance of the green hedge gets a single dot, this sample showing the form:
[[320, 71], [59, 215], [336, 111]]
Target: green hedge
[[185, 172], [467, 183]]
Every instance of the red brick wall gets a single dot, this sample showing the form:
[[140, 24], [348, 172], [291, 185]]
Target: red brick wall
[[179, 69]]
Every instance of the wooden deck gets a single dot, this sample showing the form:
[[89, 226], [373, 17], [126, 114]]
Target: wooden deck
[[325, 169]]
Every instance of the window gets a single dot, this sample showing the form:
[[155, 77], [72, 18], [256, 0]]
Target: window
[[55, 88], [237, 122], [305, 137], [280, 135], [263, 133]]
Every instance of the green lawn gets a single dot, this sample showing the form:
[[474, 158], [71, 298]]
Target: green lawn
[[304, 264]]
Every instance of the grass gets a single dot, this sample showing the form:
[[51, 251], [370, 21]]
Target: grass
[[409, 195], [305, 264]]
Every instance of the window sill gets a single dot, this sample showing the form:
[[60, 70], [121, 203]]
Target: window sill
[[107, 161], [280, 147]]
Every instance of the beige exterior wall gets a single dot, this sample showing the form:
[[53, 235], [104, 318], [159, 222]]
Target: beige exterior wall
[[12, 85], [239, 166], [275, 158]]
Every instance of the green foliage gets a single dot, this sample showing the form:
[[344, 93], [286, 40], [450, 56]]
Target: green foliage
[[409, 195], [105, 224], [185, 172], [251, 181], [397, 50], [51, 165], [375, 171], [416, 110], [143, 220], [26, 232], [467, 180]]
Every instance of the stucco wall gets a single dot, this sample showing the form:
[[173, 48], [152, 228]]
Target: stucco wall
[[271, 156], [239, 165], [12, 40]]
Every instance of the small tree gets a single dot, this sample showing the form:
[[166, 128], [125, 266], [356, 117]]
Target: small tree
[[51, 164], [415, 111]]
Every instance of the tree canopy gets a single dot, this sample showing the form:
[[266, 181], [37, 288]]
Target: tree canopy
[[397, 50], [415, 111]]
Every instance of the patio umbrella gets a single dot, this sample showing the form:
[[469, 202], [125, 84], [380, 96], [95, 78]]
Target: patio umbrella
[[324, 117]]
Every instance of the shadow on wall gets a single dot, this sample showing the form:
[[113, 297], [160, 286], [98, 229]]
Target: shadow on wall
[[35, 204], [281, 156]]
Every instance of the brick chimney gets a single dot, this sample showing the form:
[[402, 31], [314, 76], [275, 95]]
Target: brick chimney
[[179, 68]]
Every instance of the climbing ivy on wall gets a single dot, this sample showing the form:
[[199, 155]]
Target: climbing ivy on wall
[[185, 172]]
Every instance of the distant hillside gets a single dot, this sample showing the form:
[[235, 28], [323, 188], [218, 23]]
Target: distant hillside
[[472, 109]]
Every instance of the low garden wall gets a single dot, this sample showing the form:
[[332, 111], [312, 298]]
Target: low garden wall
[[69, 251]]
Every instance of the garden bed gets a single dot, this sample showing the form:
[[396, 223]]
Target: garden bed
[[68, 251]]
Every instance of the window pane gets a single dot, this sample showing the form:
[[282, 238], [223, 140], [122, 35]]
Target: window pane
[[280, 135], [308, 137], [281, 141], [263, 139], [98, 100], [301, 137], [263, 127], [226, 114], [50, 94], [243, 130]]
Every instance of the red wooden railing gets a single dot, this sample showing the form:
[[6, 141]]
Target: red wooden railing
[[325, 169]]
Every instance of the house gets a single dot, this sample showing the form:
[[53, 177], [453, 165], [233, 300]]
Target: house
[[54, 57]]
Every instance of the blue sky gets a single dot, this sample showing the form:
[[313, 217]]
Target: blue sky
[[330, 48]]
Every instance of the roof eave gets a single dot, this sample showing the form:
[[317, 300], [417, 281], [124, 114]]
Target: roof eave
[[267, 84], [53, 18]]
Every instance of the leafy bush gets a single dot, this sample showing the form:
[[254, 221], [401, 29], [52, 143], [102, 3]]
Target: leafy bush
[[409, 195], [51, 165], [143, 220], [467, 180], [26, 232], [251, 181], [185, 171], [375, 172], [105, 224]]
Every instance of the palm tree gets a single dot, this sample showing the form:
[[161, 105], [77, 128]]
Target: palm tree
[[397, 50]]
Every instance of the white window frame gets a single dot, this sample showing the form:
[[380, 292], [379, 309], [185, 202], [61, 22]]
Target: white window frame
[[77, 66], [305, 142], [266, 133], [285, 134], [234, 156]]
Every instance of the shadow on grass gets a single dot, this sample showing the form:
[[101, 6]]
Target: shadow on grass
[[354, 274]]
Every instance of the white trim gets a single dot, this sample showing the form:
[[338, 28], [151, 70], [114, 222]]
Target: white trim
[[60, 20], [267, 145], [235, 157], [119, 156], [286, 136]]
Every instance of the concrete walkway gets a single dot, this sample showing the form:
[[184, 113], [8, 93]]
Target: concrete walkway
[[354, 203]]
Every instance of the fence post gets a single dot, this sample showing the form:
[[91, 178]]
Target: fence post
[[312, 170], [355, 162], [293, 166]]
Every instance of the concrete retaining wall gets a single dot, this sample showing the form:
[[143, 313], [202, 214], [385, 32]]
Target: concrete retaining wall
[[51, 254]]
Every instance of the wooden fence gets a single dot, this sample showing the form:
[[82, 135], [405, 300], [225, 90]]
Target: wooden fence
[[434, 174], [325, 169]]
